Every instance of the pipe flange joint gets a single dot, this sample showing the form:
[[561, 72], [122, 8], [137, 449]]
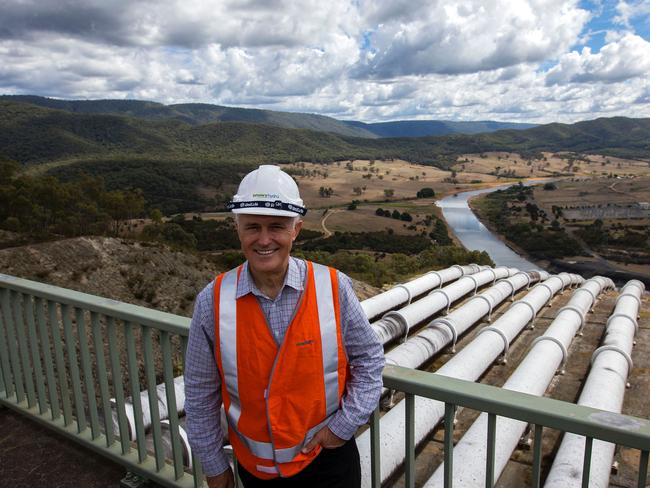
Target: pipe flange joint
[[576, 310], [398, 319], [483, 297], [526, 275], [506, 343], [636, 283], [444, 293], [494, 275], [439, 277], [408, 293], [532, 310], [450, 325], [631, 295], [551, 294], [623, 316], [460, 268], [559, 277], [471, 277], [627, 357], [557, 341], [512, 287], [593, 296]]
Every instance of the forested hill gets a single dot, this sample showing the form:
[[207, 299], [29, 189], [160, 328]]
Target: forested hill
[[167, 158], [30, 135], [196, 114], [424, 128]]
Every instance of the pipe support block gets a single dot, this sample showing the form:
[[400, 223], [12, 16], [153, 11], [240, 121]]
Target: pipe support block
[[506, 343], [576, 310], [449, 324], [557, 341], [483, 297], [616, 349], [623, 316]]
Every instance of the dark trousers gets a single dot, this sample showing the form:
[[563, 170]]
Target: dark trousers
[[332, 468]]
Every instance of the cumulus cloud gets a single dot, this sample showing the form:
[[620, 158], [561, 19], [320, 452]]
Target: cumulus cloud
[[617, 61], [354, 59], [423, 37]]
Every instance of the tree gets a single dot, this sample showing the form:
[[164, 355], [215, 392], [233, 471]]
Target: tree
[[389, 192], [426, 193]]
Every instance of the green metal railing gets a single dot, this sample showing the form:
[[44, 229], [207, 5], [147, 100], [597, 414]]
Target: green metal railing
[[68, 359], [540, 412], [66, 356]]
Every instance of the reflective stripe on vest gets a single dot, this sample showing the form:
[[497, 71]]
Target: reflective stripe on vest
[[228, 349]]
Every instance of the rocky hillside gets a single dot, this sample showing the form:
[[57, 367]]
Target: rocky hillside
[[141, 273]]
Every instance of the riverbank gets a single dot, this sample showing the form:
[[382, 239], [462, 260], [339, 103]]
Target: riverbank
[[586, 266]]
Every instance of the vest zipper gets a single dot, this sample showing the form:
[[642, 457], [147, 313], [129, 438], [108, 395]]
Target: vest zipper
[[275, 362]]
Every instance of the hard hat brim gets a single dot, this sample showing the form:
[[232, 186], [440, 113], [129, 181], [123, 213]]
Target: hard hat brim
[[265, 211]]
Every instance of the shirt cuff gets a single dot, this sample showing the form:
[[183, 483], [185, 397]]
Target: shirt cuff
[[340, 427], [215, 464]]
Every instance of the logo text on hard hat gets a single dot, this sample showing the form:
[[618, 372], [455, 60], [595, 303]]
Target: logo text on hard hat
[[266, 195]]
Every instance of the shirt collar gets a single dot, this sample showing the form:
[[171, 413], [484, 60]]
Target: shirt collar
[[294, 278]]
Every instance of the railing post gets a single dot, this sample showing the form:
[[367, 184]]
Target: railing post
[[490, 454], [375, 453], [537, 456], [450, 411], [643, 469], [586, 465], [410, 441]]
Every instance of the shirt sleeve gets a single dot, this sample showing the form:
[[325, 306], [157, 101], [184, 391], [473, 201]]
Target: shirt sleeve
[[366, 361], [203, 388]]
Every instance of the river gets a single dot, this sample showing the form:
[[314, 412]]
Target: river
[[474, 235]]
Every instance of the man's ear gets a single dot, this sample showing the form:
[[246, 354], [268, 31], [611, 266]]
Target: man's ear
[[296, 229]]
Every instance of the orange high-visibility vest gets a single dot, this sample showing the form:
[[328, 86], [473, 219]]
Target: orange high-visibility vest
[[277, 396]]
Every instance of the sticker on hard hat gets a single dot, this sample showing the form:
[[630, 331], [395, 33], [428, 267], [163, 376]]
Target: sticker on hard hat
[[275, 205]]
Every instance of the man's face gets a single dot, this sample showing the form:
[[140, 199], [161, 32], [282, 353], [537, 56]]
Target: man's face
[[266, 241]]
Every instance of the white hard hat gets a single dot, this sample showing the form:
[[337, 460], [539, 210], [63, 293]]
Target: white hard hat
[[268, 191]]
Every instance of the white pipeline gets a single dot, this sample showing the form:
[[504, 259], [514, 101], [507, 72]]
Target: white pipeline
[[468, 364], [161, 394], [604, 389], [407, 292], [442, 331], [398, 322], [532, 376]]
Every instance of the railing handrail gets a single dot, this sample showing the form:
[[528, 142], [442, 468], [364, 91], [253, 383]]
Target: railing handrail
[[557, 414], [128, 312]]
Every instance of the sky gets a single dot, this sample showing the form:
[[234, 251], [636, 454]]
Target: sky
[[534, 61]]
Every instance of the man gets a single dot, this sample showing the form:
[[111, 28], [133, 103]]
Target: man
[[285, 345]]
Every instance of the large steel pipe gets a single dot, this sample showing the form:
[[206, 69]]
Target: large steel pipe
[[407, 292], [467, 364], [442, 331], [161, 395], [547, 355], [605, 390], [398, 322]]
